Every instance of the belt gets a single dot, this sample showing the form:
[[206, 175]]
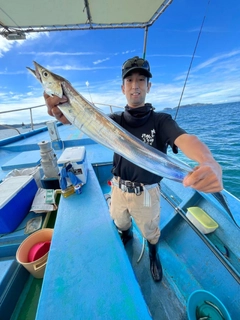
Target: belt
[[128, 186]]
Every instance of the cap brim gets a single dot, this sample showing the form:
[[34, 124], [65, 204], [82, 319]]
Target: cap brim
[[143, 71]]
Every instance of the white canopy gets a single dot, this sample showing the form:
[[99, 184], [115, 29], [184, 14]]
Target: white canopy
[[18, 17]]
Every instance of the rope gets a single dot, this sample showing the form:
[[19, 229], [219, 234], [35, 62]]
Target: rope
[[142, 251]]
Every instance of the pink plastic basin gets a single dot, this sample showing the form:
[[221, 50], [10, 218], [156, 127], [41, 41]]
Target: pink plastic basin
[[38, 250]]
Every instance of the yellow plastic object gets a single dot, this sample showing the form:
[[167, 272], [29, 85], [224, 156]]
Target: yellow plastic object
[[37, 267], [202, 221], [68, 192]]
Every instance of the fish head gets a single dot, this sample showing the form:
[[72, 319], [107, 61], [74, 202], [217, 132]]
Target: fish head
[[51, 82]]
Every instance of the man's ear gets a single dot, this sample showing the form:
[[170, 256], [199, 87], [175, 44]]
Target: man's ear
[[123, 89]]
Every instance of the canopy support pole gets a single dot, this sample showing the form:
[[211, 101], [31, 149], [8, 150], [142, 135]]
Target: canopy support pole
[[145, 42]]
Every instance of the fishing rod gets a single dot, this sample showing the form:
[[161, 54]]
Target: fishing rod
[[217, 253], [218, 195], [193, 55], [191, 62]]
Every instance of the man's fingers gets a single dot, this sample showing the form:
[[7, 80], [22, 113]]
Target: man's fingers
[[56, 112], [52, 103], [204, 179]]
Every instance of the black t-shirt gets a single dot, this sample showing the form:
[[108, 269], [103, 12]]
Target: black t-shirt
[[157, 129]]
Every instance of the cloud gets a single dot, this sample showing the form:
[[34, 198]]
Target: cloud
[[7, 45], [173, 55], [162, 95], [22, 101], [36, 35], [100, 61], [56, 53], [213, 80], [77, 68], [207, 29], [211, 61], [6, 72], [128, 51], [66, 67]]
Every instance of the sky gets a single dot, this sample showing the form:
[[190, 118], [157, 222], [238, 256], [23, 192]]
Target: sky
[[91, 60]]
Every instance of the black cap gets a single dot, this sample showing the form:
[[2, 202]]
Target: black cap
[[135, 64]]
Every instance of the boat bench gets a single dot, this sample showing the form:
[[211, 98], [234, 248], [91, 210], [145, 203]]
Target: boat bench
[[88, 274]]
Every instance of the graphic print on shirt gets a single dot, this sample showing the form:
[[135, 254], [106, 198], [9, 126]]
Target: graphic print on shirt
[[149, 138]]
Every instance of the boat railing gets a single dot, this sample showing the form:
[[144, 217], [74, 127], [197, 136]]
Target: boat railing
[[18, 110], [111, 106], [8, 126]]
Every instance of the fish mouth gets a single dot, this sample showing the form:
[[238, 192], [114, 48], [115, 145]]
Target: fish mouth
[[37, 73], [40, 73], [38, 76]]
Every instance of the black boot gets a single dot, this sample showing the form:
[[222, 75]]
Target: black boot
[[126, 235], [155, 264]]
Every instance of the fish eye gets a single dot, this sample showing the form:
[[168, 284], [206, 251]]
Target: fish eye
[[45, 74]]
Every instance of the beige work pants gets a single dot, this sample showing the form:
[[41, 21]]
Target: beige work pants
[[144, 208]]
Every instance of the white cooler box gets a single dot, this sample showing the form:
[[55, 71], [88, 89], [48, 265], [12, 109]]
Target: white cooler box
[[77, 157]]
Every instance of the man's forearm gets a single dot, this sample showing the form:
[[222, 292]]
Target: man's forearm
[[194, 149]]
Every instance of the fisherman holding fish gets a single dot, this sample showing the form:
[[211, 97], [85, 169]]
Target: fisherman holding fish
[[136, 191]]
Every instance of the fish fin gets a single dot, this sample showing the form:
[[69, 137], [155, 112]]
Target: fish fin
[[222, 200]]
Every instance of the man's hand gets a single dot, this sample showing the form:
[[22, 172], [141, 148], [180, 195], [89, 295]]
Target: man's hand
[[52, 107], [206, 177]]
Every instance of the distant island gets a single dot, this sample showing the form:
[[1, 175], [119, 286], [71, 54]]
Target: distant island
[[191, 105]]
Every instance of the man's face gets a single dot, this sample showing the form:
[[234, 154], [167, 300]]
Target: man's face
[[135, 87]]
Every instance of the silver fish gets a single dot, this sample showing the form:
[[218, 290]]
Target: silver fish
[[99, 127]]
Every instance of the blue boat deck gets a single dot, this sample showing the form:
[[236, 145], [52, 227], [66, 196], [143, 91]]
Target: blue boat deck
[[90, 275]]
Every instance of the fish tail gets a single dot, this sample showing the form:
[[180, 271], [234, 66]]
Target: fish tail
[[222, 200]]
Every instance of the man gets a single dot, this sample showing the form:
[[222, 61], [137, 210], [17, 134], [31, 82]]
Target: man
[[135, 191]]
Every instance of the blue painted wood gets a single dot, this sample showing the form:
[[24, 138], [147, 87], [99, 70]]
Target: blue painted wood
[[25, 135], [191, 265], [18, 235], [12, 290], [88, 274], [23, 160], [7, 267], [21, 136]]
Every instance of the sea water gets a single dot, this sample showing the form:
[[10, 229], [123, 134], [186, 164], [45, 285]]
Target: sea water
[[218, 126]]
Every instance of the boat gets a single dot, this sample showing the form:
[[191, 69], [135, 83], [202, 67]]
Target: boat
[[88, 273]]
